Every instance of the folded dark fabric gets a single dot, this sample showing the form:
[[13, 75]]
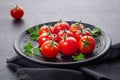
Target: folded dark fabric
[[14, 63], [47, 74], [109, 65]]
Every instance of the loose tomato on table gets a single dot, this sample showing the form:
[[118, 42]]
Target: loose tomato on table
[[68, 46], [17, 12], [87, 44], [75, 27], [60, 26], [50, 49], [81, 33], [62, 33]]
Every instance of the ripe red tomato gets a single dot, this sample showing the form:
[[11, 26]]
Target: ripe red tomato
[[50, 49], [82, 33], [75, 27], [87, 44], [44, 29], [64, 26], [44, 37], [63, 33], [61, 26], [17, 12], [68, 46]]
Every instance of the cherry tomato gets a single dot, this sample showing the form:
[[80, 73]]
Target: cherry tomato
[[60, 26], [82, 33], [87, 44], [75, 27], [64, 26], [44, 29], [17, 12], [44, 37], [62, 33], [50, 49], [68, 46]]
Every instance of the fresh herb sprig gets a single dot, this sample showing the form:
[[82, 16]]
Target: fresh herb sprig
[[79, 57], [33, 32], [95, 31], [30, 50], [36, 51]]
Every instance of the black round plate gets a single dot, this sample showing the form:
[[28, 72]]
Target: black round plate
[[103, 44]]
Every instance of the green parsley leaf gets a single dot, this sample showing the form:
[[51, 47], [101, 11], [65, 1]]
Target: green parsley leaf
[[33, 32], [30, 50], [36, 51], [79, 57], [95, 31]]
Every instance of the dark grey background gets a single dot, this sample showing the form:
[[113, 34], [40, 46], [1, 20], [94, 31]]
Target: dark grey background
[[102, 13]]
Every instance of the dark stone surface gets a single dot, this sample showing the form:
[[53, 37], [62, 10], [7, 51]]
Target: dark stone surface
[[102, 13]]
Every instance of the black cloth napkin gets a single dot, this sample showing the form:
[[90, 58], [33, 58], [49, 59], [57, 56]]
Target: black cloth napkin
[[106, 68]]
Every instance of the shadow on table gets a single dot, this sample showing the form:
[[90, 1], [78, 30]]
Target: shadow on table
[[18, 22]]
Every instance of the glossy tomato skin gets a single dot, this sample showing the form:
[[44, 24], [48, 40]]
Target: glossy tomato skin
[[76, 27], [56, 28], [91, 44], [17, 12], [64, 26], [68, 46], [50, 50], [60, 26], [44, 29], [63, 33], [80, 34], [44, 37]]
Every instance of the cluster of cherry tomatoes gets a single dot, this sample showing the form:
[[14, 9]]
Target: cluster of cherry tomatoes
[[61, 38], [65, 39]]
